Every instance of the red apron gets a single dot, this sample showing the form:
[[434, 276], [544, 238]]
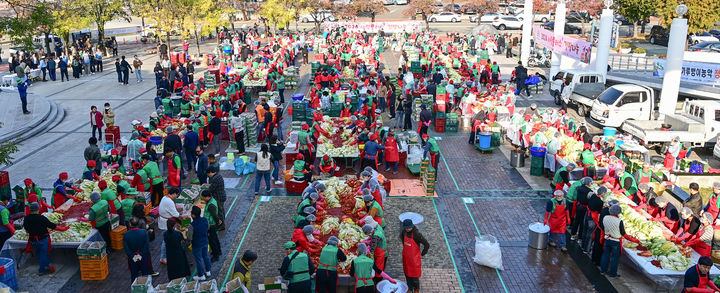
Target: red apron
[[674, 226], [558, 219], [412, 264], [28, 247], [379, 258], [173, 173], [669, 161], [596, 218], [712, 206], [432, 160], [700, 246], [58, 199]]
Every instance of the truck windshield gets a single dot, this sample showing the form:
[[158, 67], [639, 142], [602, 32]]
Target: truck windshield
[[610, 95]]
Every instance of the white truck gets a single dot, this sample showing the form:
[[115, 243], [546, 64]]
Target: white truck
[[632, 108], [585, 86]]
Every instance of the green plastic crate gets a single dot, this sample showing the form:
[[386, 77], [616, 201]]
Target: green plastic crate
[[440, 115], [449, 128]]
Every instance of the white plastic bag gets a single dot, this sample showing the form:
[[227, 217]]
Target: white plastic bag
[[487, 252]]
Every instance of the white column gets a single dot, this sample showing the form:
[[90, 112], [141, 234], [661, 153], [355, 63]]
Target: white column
[[526, 32], [558, 30], [604, 38], [673, 66]]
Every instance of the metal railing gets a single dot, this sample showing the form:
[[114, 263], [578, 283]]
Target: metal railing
[[623, 62]]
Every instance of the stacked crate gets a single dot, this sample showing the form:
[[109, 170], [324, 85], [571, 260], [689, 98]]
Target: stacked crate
[[116, 237], [250, 131], [416, 109], [291, 77], [298, 111], [440, 123], [93, 260], [416, 69], [451, 122], [335, 109], [268, 95], [4, 184], [428, 175]]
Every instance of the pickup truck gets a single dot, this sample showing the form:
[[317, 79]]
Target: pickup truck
[[631, 107], [585, 85]]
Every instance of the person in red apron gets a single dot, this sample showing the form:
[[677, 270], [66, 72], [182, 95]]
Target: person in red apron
[[60, 192], [702, 240], [614, 234], [688, 226], [327, 275], [36, 225], [672, 153], [667, 214], [644, 175], [713, 205], [649, 195], [697, 277], [372, 184], [33, 198], [174, 168], [558, 217], [411, 254], [392, 156]]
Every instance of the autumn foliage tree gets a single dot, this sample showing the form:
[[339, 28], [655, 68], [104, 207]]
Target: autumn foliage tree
[[591, 7], [368, 7], [543, 6], [422, 7], [636, 11], [702, 14], [486, 6]]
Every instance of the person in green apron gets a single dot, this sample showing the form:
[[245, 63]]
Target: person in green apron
[[297, 268], [99, 216], [626, 183], [361, 270], [330, 257]]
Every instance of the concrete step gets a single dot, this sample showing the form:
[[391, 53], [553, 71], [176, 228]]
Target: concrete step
[[42, 123]]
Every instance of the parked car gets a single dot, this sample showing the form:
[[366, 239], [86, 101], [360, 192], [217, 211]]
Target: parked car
[[569, 28], [468, 9], [706, 47], [507, 22], [401, 2], [320, 16], [715, 33], [437, 7], [444, 17], [659, 35], [537, 17], [488, 17], [698, 38], [575, 16]]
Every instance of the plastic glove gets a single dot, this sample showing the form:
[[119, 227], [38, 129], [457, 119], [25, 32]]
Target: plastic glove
[[316, 232], [74, 198], [63, 228], [386, 277], [137, 258]]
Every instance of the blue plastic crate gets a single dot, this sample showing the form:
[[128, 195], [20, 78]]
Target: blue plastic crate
[[8, 278]]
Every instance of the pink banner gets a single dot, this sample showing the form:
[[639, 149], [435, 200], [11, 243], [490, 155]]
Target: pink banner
[[564, 45]]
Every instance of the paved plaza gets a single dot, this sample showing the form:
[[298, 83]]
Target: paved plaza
[[477, 194]]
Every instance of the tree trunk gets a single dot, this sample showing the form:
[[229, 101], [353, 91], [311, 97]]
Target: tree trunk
[[317, 27], [197, 42], [101, 35], [142, 20], [636, 32], [167, 40], [232, 21], [47, 43], [66, 38], [427, 24]]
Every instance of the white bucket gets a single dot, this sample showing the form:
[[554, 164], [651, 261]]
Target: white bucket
[[417, 219], [385, 286]]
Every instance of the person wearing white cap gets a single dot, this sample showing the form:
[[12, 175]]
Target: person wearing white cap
[[614, 233], [702, 240], [377, 243], [673, 151], [553, 146], [688, 225], [305, 240], [667, 213], [362, 268], [330, 257], [581, 201], [557, 216], [562, 177], [713, 205], [625, 182]]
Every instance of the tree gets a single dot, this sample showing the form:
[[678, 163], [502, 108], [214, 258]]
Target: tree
[[486, 6], [315, 9], [67, 20], [168, 16], [636, 11], [371, 7], [591, 7], [422, 7], [203, 17], [702, 14], [102, 11], [276, 13], [31, 18], [542, 6], [6, 150]]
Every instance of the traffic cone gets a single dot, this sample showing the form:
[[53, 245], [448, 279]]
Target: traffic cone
[[136, 40], [123, 41]]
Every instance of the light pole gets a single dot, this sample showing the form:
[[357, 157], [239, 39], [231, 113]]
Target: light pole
[[558, 31], [604, 38], [673, 63], [526, 32]]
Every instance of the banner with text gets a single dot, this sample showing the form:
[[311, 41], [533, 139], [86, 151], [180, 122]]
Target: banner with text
[[564, 45], [374, 27], [697, 72]]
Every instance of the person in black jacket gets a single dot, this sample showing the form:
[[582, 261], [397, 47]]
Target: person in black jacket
[[276, 149], [125, 68], [215, 129], [425, 119], [118, 70], [407, 106], [412, 239], [520, 77], [598, 239], [581, 204]]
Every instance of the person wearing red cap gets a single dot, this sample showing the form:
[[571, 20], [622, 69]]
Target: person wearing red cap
[[31, 187], [302, 171], [588, 160], [34, 198], [392, 156], [114, 161], [60, 192], [89, 172], [432, 147], [370, 152], [140, 181], [327, 165], [304, 146], [111, 197]]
